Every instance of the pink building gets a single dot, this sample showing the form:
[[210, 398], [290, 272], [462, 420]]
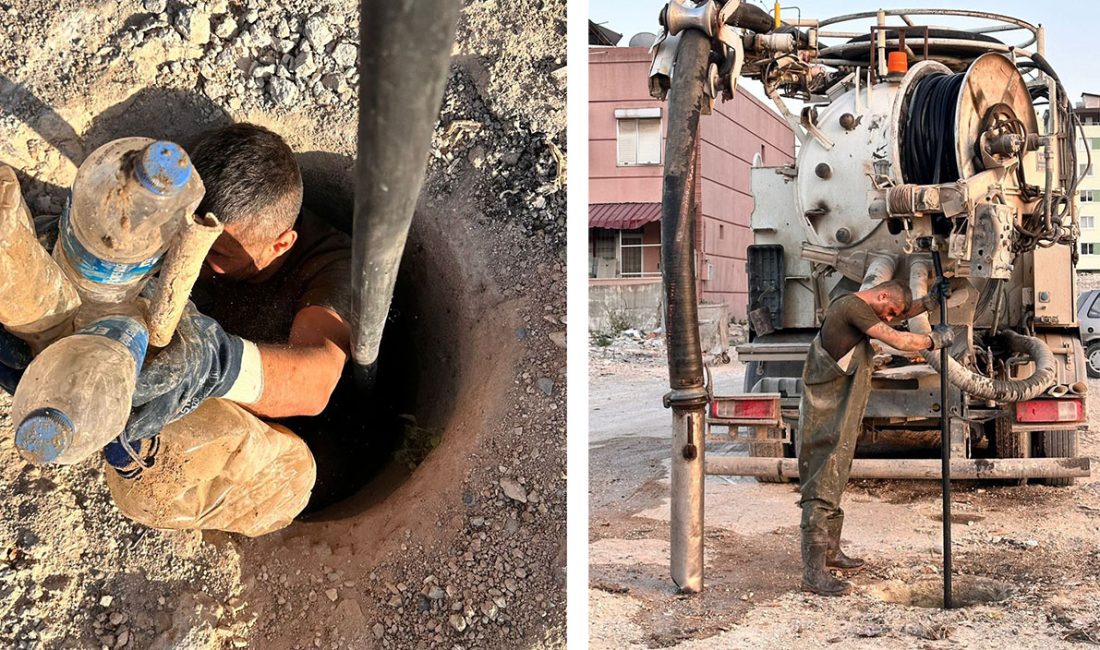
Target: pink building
[[626, 133]]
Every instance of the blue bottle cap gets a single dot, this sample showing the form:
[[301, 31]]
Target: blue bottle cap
[[44, 434], [163, 167]]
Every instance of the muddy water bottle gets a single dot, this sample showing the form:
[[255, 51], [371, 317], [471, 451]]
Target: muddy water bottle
[[128, 201], [37, 301], [75, 396]]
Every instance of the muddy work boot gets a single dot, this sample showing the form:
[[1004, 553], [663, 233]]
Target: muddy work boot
[[815, 577], [835, 557]]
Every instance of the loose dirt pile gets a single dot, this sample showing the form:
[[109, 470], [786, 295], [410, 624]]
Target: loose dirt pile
[[1026, 557], [469, 549]]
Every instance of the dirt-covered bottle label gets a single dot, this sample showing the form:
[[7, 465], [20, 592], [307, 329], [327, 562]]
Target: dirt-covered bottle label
[[127, 331], [94, 268]]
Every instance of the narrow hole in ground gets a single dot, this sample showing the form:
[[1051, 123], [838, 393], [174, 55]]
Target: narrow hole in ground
[[966, 591], [369, 441]]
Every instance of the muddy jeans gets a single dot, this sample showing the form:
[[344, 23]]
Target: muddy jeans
[[219, 468], [832, 406]]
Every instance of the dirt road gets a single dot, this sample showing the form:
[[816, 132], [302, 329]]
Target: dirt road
[[1033, 550]]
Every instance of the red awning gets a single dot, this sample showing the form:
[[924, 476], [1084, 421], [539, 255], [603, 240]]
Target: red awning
[[624, 216]]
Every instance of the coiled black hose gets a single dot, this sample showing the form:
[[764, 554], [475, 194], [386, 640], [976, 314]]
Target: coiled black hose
[[928, 141]]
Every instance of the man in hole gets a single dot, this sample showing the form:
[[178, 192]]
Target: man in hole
[[836, 386], [236, 423]]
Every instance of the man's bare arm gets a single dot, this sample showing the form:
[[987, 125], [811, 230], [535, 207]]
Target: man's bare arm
[[906, 341], [299, 377]]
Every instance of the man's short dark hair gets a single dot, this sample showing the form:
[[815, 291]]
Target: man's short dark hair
[[252, 179], [898, 291]]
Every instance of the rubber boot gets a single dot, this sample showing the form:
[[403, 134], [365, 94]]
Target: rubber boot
[[835, 557], [815, 577]]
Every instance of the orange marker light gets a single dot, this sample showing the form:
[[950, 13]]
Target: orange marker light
[[897, 62]]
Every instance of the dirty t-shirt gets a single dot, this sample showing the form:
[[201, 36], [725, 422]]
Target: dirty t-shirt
[[846, 322], [317, 272]]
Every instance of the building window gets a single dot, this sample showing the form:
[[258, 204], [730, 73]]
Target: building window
[[631, 244], [601, 253], [1087, 196], [1094, 143], [1087, 222], [721, 231], [1088, 249], [639, 136], [1083, 170]]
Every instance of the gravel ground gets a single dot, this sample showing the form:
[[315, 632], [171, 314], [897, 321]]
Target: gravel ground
[[1032, 548], [485, 567]]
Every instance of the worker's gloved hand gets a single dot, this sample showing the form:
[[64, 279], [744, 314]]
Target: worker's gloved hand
[[15, 354], [942, 336], [200, 362]]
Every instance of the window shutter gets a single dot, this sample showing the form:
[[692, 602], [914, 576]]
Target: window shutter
[[628, 142], [649, 141]]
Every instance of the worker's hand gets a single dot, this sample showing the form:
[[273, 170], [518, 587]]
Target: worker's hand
[[15, 354], [200, 362], [942, 336]]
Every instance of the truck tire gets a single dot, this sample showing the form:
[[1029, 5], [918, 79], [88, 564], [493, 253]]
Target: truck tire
[[767, 449], [1092, 360], [1059, 444], [1011, 445]]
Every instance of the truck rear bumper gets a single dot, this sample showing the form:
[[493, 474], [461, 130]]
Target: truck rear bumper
[[909, 468]]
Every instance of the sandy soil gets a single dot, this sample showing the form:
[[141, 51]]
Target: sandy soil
[[1034, 546], [467, 550]]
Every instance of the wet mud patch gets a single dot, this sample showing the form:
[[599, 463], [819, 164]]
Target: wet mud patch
[[741, 573], [966, 591]]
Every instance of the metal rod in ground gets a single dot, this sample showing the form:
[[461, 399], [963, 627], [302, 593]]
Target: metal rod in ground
[[945, 439], [687, 397]]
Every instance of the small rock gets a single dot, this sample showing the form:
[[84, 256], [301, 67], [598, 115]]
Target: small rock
[[282, 91], [332, 594], [123, 638], [436, 593], [546, 385], [513, 490], [303, 65], [318, 32], [193, 25], [344, 54], [155, 6], [117, 618], [379, 630], [106, 601], [226, 27], [458, 622]]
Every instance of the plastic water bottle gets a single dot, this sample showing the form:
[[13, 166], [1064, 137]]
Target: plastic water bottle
[[128, 201], [76, 395], [37, 301]]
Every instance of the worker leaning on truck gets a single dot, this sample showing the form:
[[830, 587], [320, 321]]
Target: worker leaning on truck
[[268, 331], [836, 384]]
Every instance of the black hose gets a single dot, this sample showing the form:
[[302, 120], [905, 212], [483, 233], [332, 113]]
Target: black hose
[[752, 18], [928, 138], [404, 60], [685, 356]]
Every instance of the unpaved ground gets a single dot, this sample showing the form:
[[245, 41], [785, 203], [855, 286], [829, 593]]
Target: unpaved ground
[[1042, 543], [448, 559]]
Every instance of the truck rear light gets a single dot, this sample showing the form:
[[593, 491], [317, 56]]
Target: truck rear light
[[1050, 410], [742, 408]]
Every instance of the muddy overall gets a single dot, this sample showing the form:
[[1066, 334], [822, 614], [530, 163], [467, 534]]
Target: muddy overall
[[834, 398]]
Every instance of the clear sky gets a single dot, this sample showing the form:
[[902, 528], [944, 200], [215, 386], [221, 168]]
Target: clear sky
[[1071, 27]]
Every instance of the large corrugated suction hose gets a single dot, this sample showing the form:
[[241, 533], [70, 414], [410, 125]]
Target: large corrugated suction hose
[[971, 383]]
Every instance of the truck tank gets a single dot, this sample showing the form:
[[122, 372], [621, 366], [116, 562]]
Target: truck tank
[[912, 140]]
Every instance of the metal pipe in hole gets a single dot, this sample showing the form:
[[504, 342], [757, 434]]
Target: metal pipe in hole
[[945, 438]]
